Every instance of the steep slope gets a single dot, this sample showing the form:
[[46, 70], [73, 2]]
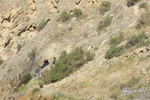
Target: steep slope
[[21, 32]]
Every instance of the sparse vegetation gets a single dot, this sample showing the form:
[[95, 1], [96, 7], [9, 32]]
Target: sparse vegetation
[[89, 56], [137, 40], [67, 63], [115, 41], [25, 78], [77, 13], [144, 20], [1, 61], [132, 2], [65, 16], [35, 90], [143, 5], [104, 23], [41, 25], [113, 52], [32, 54], [105, 6]]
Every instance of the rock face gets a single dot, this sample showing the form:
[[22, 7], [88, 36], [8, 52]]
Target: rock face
[[19, 34]]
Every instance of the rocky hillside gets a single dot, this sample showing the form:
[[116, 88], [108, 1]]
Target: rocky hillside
[[116, 31]]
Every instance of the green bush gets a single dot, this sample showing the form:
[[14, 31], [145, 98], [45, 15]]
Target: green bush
[[26, 78], [143, 5], [137, 40], [65, 16], [59, 72], [77, 13], [41, 25], [132, 2], [35, 90], [104, 23], [113, 52], [90, 56], [105, 6], [115, 41], [67, 63], [1, 61], [32, 54]]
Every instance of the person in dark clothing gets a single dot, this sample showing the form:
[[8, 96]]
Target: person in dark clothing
[[45, 63]]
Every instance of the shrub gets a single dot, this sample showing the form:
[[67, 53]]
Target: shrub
[[137, 40], [65, 16], [113, 52], [133, 40], [59, 72], [32, 54], [132, 2], [104, 23], [77, 13], [42, 24], [1, 61], [26, 78], [143, 5], [67, 63], [105, 6], [115, 41], [89, 56], [35, 90]]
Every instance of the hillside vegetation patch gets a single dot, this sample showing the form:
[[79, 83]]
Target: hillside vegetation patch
[[138, 40], [65, 16], [113, 52], [104, 24], [24, 80], [42, 24], [115, 41], [77, 13], [104, 7], [134, 41], [143, 5], [32, 54], [66, 64]]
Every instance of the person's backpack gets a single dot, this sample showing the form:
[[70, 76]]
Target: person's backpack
[[36, 70]]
